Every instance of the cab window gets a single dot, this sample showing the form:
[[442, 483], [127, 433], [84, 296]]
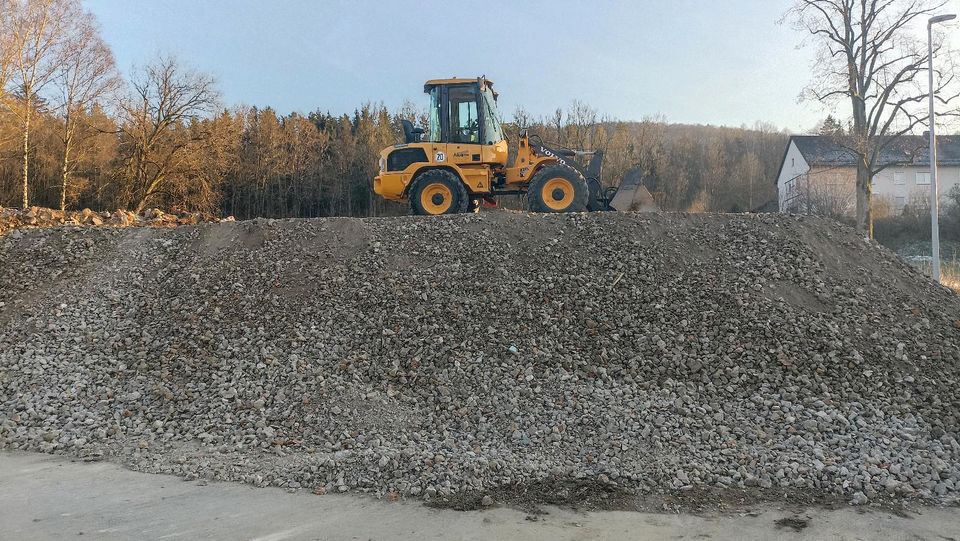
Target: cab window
[[434, 133], [492, 131]]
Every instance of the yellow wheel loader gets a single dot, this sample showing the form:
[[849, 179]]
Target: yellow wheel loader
[[464, 161]]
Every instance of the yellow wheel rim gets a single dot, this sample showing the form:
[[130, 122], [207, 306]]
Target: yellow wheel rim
[[557, 193], [436, 198]]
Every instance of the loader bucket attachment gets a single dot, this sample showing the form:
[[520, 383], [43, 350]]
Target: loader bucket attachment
[[632, 195]]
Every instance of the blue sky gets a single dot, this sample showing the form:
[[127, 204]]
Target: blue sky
[[725, 62]]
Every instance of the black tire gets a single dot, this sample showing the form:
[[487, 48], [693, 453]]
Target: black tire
[[569, 196], [438, 191]]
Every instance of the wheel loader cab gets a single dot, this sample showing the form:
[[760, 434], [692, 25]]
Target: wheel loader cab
[[464, 113], [464, 141]]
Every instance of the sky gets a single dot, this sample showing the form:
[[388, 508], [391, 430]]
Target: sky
[[723, 62]]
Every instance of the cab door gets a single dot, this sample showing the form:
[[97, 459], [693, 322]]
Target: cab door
[[464, 125]]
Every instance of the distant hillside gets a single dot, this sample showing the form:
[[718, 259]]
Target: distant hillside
[[689, 167]]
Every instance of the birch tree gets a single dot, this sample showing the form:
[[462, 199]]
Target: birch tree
[[870, 55], [37, 31], [86, 75]]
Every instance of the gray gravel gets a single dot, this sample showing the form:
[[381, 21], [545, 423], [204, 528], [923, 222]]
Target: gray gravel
[[414, 357]]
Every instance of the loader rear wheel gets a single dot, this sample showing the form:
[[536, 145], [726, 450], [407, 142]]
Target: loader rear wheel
[[438, 191], [557, 188]]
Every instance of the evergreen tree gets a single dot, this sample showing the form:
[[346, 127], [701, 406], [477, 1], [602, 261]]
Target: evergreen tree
[[830, 126]]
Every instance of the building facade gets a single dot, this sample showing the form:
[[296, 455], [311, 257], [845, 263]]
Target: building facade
[[818, 174]]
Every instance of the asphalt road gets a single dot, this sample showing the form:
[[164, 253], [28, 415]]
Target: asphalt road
[[47, 497]]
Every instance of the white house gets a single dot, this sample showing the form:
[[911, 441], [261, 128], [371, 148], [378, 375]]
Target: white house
[[818, 173]]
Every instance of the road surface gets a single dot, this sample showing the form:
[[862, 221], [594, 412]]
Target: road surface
[[48, 497]]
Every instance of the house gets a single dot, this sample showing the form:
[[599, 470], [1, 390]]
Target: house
[[818, 174]]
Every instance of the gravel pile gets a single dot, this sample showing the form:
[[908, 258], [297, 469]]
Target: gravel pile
[[414, 357]]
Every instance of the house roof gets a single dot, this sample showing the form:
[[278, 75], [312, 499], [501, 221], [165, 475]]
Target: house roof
[[829, 150]]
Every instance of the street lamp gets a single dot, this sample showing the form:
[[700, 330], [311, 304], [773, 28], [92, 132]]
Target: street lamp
[[934, 188]]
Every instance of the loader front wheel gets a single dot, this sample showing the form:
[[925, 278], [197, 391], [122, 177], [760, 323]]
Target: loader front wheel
[[438, 191], [557, 188]]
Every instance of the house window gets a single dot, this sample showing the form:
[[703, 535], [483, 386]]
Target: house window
[[899, 178], [923, 178], [793, 162], [900, 203]]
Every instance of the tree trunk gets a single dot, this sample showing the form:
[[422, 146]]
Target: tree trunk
[[141, 176], [65, 169], [65, 173], [864, 200], [26, 154], [148, 192]]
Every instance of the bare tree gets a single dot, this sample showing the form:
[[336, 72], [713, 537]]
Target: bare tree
[[556, 122], [867, 55], [522, 118], [417, 115], [583, 119], [37, 32], [166, 100], [831, 197], [86, 75]]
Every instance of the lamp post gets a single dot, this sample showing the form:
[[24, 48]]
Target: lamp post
[[934, 187]]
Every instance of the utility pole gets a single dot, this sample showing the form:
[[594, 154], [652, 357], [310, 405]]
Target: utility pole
[[934, 187]]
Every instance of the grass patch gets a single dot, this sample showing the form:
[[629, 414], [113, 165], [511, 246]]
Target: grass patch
[[949, 268]]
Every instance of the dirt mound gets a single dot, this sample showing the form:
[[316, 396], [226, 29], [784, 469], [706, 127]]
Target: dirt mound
[[430, 357]]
